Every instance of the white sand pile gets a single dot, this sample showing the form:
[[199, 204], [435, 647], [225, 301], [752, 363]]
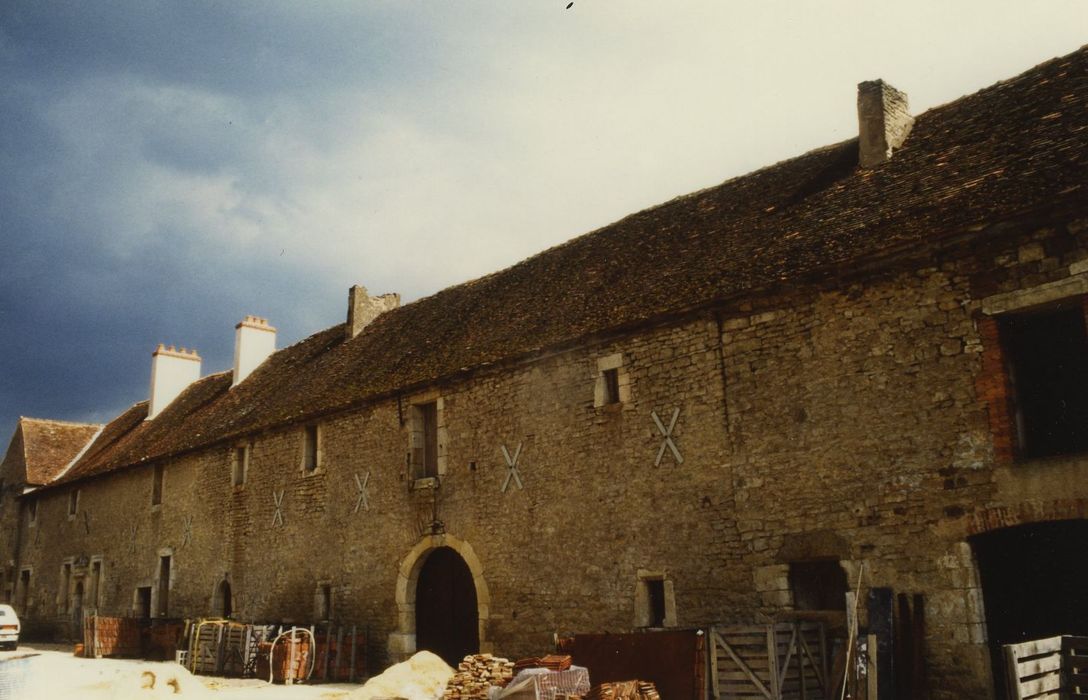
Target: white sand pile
[[49, 677], [422, 677]]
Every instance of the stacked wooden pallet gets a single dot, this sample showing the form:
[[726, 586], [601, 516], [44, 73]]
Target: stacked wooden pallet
[[624, 690], [476, 674]]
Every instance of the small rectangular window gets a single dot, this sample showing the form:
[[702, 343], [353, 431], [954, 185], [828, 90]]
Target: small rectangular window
[[156, 485], [32, 510], [239, 465], [611, 385], [143, 602], [818, 585], [73, 502], [324, 602], [424, 452], [311, 454], [65, 579], [1047, 358]]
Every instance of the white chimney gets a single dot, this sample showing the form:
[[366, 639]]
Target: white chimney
[[254, 341], [172, 370], [363, 308], [883, 121]]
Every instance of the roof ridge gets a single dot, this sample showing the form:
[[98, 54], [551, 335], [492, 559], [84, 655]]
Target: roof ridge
[[57, 421]]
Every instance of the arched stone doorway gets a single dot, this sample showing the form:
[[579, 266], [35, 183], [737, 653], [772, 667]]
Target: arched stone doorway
[[447, 621], [439, 568], [1032, 577]]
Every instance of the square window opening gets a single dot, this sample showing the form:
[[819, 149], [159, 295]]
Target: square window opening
[[1047, 364], [818, 585]]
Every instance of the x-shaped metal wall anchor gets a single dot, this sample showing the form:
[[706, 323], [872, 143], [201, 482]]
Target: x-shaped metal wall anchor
[[87, 522], [667, 442], [187, 532], [360, 488], [277, 517], [512, 468]]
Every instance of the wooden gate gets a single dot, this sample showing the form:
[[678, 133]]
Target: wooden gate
[[1048, 668], [779, 661]]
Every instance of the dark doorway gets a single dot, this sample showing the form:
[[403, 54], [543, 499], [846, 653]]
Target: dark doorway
[[77, 610], [447, 619], [143, 602], [164, 586], [222, 603], [1032, 584]]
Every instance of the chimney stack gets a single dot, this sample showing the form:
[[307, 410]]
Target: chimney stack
[[172, 370], [883, 119], [254, 341], [363, 308]]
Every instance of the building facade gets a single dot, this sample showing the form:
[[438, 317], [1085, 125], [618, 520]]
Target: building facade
[[862, 368]]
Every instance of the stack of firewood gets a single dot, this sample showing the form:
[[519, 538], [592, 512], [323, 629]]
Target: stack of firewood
[[476, 674], [624, 690]]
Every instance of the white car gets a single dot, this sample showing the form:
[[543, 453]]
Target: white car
[[9, 627]]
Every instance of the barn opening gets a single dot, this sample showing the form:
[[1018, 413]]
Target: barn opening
[[447, 616], [1032, 580]]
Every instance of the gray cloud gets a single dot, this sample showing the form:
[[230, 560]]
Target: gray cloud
[[166, 168]]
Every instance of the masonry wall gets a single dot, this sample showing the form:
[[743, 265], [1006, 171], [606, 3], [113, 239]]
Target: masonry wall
[[850, 421]]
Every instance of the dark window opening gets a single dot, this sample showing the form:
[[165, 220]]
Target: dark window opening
[[655, 590], [143, 602], [425, 444], [324, 602], [164, 586], [818, 585], [1047, 357], [24, 589], [65, 579], [239, 464], [96, 583], [611, 385], [156, 486], [309, 448], [32, 510], [73, 502]]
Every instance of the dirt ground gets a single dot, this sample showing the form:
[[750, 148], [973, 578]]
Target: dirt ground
[[50, 671]]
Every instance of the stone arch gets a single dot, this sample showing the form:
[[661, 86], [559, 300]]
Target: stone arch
[[1024, 513], [402, 642]]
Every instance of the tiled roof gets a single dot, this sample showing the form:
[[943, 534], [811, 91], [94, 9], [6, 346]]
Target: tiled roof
[[43, 448], [1016, 148]]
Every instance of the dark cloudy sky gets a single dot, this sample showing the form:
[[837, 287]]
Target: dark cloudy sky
[[167, 167]]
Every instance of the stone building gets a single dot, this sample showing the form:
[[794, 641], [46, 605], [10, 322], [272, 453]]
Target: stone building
[[867, 363]]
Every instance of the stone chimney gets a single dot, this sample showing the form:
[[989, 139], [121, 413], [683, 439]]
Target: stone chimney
[[172, 370], [883, 119], [363, 308], [254, 341]]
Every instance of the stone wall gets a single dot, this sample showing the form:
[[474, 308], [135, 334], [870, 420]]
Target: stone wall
[[843, 421]]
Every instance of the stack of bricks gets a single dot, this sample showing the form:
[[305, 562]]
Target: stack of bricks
[[113, 636], [624, 690], [475, 676]]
